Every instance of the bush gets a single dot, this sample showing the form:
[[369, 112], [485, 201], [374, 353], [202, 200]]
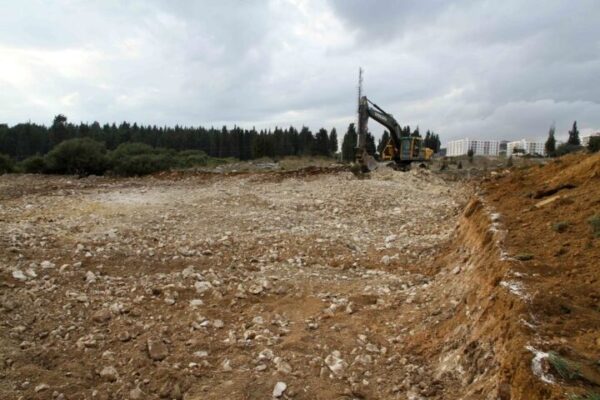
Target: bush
[[83, 156], [565, 368], [138, 159], [594, 222], [34, 165], [566, 148], [594, 144], [191, 158], [6, 164]]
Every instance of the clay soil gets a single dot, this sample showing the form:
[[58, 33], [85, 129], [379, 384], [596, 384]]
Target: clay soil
[[310, 284]]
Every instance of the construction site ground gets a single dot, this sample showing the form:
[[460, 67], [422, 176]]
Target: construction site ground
[[307, 284]]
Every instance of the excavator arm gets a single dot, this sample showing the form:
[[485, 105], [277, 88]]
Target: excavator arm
[[406, 149]]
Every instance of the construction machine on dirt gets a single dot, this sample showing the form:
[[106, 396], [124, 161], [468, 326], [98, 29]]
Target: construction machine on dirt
[[401, 150]]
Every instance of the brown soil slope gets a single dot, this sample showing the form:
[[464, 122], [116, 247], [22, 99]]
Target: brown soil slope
[[546, 212], [526, 324]]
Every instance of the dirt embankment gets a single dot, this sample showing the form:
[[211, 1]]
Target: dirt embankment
[[521, 277]]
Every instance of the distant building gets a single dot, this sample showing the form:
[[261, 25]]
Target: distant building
[[502, 147], [524, 146], [480, 147], [585, 140]]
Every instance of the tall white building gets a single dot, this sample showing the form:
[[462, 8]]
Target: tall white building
[[524, 146], [480, 147]]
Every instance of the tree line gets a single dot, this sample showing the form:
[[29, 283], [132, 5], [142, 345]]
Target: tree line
[[26, 139], [572, 144]]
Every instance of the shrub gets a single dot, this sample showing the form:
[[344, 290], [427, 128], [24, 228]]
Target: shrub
[[560, 227], [6, 164], [191, 158], [565, 368], [587, 396], [83, 156], [524, 257], [34, 165], [140, 159], [566, 148], [594, 222], [594, 144]]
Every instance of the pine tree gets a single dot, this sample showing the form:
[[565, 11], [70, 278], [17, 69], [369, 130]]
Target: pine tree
[[321, 144], [550, 145], [349, 143], [370, 144], [333, 142], [574, 136]]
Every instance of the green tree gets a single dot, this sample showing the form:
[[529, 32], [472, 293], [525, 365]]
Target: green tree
[[370, 144], [594, 144], [6, 164], [349, 143], [333, 142], [321, 143], [574, 136], [77, 156], [550, 145], [58, 131]]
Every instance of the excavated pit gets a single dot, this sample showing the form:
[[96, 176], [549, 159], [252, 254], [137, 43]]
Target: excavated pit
[[401, 286]]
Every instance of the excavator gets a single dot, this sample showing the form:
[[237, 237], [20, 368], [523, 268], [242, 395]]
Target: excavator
[[401, 150]]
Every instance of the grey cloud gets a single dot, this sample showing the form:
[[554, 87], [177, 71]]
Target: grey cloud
[[476, 68]]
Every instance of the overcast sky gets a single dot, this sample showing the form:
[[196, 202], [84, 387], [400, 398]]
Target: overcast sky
[[478, 69]]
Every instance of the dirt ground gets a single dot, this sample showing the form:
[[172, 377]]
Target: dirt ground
[[308, 284], [215, 287]]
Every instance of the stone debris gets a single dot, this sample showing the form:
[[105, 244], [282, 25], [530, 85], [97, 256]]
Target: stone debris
[[199, 287], [279, 389], [109, 374], [157, 350]]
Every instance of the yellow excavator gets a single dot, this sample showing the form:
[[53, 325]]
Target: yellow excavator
[[401, 150]]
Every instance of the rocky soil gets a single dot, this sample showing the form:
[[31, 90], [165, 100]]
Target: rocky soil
[[254, 286]]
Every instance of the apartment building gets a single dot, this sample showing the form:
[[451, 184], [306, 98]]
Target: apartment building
[[524, 146], [585, 140], [480, 147]]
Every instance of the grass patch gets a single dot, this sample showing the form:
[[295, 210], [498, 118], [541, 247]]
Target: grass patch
[[524, 257], [587, 396], [565, 368], [560, 226], [594, 222]]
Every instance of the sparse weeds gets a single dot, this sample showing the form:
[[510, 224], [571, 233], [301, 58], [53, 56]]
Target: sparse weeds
[[594, 222], [587, 396], [560, 226], [524, 256], [565, 368]]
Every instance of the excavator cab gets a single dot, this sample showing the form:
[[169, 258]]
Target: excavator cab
[[402, 150]]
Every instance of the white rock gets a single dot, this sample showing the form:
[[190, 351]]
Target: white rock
[[47, 265], [196, 303], [202, 286], [201, 354], [217, 323], [279, 389], [41, 387], [19, 275], [335, 363], [109, 373], [226, 365], [90, 277]]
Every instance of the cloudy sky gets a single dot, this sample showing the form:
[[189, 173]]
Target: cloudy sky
[[495, 69]]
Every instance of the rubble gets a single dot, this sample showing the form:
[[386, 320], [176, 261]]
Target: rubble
[[201, 285]]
